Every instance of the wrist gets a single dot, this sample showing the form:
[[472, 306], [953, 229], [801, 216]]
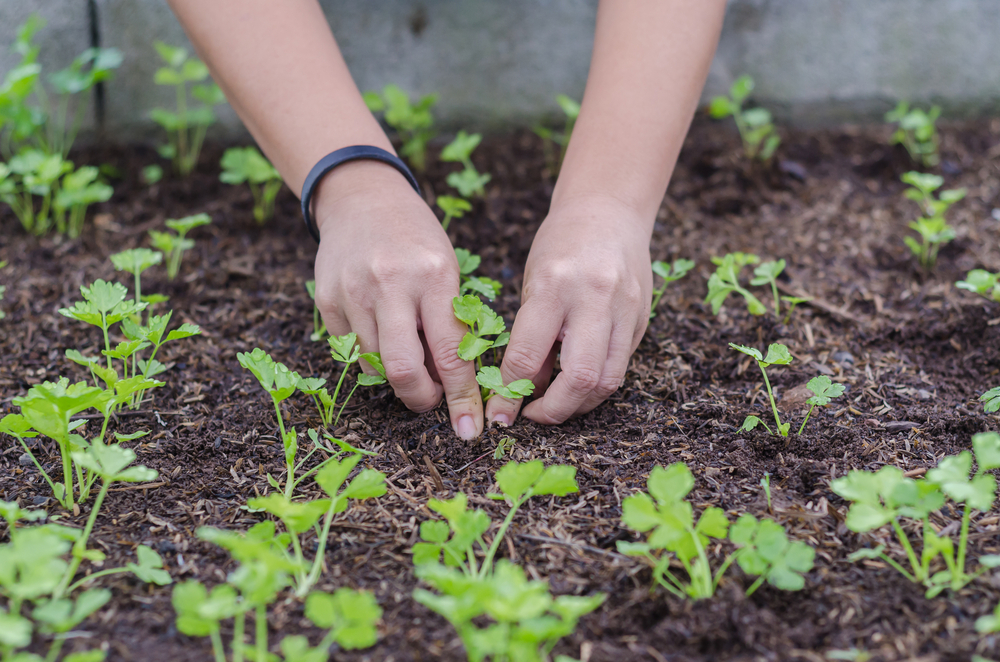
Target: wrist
[[601, 211], [367, 178]]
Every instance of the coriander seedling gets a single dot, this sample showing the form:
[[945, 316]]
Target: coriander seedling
[[247, 164], [468, 181], [792, 302], [767, 273], [453, 208], [669, 273], [933, 229], [413, 122], [135, 261], [78, 190], [765, 482], [991, 400], [504, 446], [186, 127], [33, 173], [916, 132], [726, 280], [103, 305], [571, 110], [175, 245], [823, 390], [319, 328], [468, 263], [760, 140], [777, 354], [983, 283]]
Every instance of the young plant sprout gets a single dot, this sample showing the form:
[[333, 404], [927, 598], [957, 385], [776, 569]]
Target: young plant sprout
[[916, 132], [933, 229], [413, 122], [792, 302], [103, 305], [3, 288], [767, 273], [247, 164], [504, 446], [991, 400], [571, 109], [763, 548], [187, 126], [887, 496], [349, 616], [669, 273], [453, 208], [823, 390], [319, 328], [32, 173], [135, 261], [777, 354], [468, 181], [726, 280], [467, 263], [78, 190], [755, 126], [175, 245], [483, 322], [983, 283], [345, 350]]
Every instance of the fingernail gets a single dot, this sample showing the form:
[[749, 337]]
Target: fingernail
[[501, 419], [466, 428]]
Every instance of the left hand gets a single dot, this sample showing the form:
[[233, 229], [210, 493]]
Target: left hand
[[587, 285]]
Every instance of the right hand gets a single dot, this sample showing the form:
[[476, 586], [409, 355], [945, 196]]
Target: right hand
[[386, 270]]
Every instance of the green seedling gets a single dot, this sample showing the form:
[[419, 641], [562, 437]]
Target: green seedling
[[482, 323], [135, 261], [3, 288], [174, 245], [523, 620], [490, 379], [78, 190], [991, 400], [760, 140], [767, 273], [453, 208], [777, 354], [518, 482], [763, 548], [765, 482], [187, 126], [154, 334], [669, 273], [990, 623], [504, 446], [247, 164], [933, 229], [300, 517], [103, 305], [413, 122], [468, 263], [319, 328], [792, 303], [726, 280], [33, 173], [916, 132], [550, 137], [151, 174], [887, 496], [823, 390], [468, 181], [983, 283], [345, 350], [47, 119]]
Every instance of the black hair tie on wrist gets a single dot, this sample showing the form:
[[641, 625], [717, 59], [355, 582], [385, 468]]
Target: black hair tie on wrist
[[343, 155]]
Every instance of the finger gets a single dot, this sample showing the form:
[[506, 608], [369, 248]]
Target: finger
[[531, 343], [403, 356], [458, 377], [584, 353], [429, 359], [620, 351], [541, 380]]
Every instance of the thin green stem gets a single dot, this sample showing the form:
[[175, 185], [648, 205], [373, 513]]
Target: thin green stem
[[313, 576], [910, 554], [770, 396], [963, 541], [888, 559], [487, 565], [56, 647], [217, 649], [260, 638], [346, 400], [37, 464], [777, 299], [239, 637], [67, 463], [94, 575], [722, 571], [80, 546], [806, 419], [300, 560], [657, 295], [336, 393], [755, 586]]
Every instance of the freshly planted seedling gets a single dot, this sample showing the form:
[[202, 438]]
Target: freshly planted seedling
[[468, 263], [3, 288], [933, 229], [767, 273], [483, 322], [135, 261], [78, 190], [504, 446], [777, 354], [571, 109], [754, 124], [413, 122], [345, 350], [453, 208], [792, 302], [916, 132], [468, 181], [155, 335], [174, 245], [103, 305], [489, 378], [763, 546], [33, 173], [887, 496], [726, 280], [319, 328], [823, 390], [669, 273], [983, 283], [991, 400], [187, 126], [247, 164], [280, 383]]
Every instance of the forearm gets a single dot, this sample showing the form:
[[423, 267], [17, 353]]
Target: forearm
[[282, 72], [647, 71]]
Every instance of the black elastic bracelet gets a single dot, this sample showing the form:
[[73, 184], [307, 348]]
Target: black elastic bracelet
[[343, 155]]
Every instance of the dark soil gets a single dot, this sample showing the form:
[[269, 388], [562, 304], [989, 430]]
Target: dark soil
[[913, 351]]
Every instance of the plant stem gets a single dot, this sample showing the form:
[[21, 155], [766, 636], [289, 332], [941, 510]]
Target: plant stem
[[94, 575], [80, 546], [777, 300], [806, 419], [905, 542], [770, 396], [346, 400], [217, 649], [487, 566], [37, 465], [260, 638], [657, 295], [239, 639], [963, 542], [313, 575]]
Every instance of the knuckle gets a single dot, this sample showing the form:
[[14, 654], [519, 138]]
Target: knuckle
[[447, 361], [606, 386], [520, 364], [400, 372], [582, 379]]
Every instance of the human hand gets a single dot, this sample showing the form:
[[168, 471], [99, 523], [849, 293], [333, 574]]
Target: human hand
[[386, 270], [587, 285]]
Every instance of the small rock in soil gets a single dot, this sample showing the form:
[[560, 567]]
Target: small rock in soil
[[39, 500], [924, 394], [900, 426], [25, 460], [843, 357], [166, 547]]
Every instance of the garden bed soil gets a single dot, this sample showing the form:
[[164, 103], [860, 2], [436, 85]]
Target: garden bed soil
[[913, 351]]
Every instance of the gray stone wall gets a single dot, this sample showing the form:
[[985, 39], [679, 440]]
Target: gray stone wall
[[498, 64]]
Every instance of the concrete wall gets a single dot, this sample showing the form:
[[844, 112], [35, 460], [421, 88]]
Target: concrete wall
[[500, 63]]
